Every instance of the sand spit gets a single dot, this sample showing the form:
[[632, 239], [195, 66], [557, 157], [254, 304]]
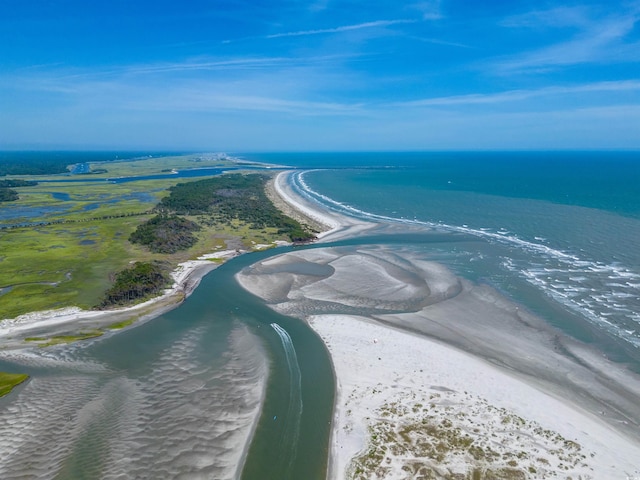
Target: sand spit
[[331, 225], [186, 276], [409, 408], [493, 393]]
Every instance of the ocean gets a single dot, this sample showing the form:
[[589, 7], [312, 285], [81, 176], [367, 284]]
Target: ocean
[[556, 233]]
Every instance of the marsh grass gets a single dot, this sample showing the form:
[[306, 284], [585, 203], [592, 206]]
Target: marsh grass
[[8, 381], [58, 265], [62, 339], [121, 325]]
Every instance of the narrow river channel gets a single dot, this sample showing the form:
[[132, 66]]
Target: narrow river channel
[[153, 401]]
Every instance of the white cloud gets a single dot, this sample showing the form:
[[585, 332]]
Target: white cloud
[[345, 28], [599, 40], [519, 95], [430, 10]]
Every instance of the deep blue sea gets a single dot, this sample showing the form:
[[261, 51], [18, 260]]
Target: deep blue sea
[[557, 232]]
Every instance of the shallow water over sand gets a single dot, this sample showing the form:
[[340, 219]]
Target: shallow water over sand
[[176, 397]]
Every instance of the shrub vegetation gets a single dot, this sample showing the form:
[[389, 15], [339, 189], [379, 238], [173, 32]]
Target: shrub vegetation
[[8, 195], [233, 197], [141, 281], [166, 233]]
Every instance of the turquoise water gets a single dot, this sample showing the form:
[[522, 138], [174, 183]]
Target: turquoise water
[[559, 233], [155, 401]]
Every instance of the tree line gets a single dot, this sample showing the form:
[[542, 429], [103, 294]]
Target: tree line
[[7, 194], [220, 199], [142, 280]]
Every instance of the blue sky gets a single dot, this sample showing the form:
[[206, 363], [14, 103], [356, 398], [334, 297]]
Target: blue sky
[[319, 75]]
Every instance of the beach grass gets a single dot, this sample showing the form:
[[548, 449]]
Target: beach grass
[[441, 438], [44, 342], [121, 325], [8, 381]]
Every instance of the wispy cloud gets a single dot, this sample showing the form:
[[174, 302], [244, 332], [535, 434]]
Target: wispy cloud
[[202, 100], [555, 17], [319, 5], [430, 10], [438, 41], [344, 28], [598, 40], [240, 65], [286, 85], [519, 95]]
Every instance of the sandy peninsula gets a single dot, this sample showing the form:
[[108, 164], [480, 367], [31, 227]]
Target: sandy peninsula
[[441, 378], [186, 277]]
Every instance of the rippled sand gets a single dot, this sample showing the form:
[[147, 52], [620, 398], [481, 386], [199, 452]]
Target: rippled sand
[[184, 418]]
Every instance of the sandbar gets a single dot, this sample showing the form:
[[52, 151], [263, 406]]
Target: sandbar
[[438, 377]]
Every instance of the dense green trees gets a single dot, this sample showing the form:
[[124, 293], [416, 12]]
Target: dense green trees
[[217, 200], [8, 195], [17, 183], [220, 199], [233, 197], [142, 280], [32, 163], [166, 233]]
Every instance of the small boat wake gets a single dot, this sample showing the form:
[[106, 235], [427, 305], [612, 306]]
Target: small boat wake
[[291, 428]]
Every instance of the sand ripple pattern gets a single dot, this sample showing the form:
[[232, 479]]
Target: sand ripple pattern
[[187, 416], [347, 280]]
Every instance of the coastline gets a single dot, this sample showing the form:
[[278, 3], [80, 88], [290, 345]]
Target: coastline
[[380, 388], [331, 226], [186, 278], [394, 374]]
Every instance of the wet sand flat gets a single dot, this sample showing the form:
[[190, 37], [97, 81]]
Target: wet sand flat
[[439, 376]]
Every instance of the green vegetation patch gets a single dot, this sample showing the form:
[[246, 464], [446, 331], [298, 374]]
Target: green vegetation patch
[[166, 233], [31, 163], [156, 165], [17, 183], [139, 282], [233, 197], [120, 325], [56, 266], [8, 195], [72, 238], [8, 381], [62, 339]]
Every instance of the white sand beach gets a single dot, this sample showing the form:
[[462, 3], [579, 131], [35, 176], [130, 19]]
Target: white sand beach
[[436, 377], [466, 384]]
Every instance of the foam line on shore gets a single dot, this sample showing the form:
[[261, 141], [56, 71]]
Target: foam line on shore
[[391, 382]]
